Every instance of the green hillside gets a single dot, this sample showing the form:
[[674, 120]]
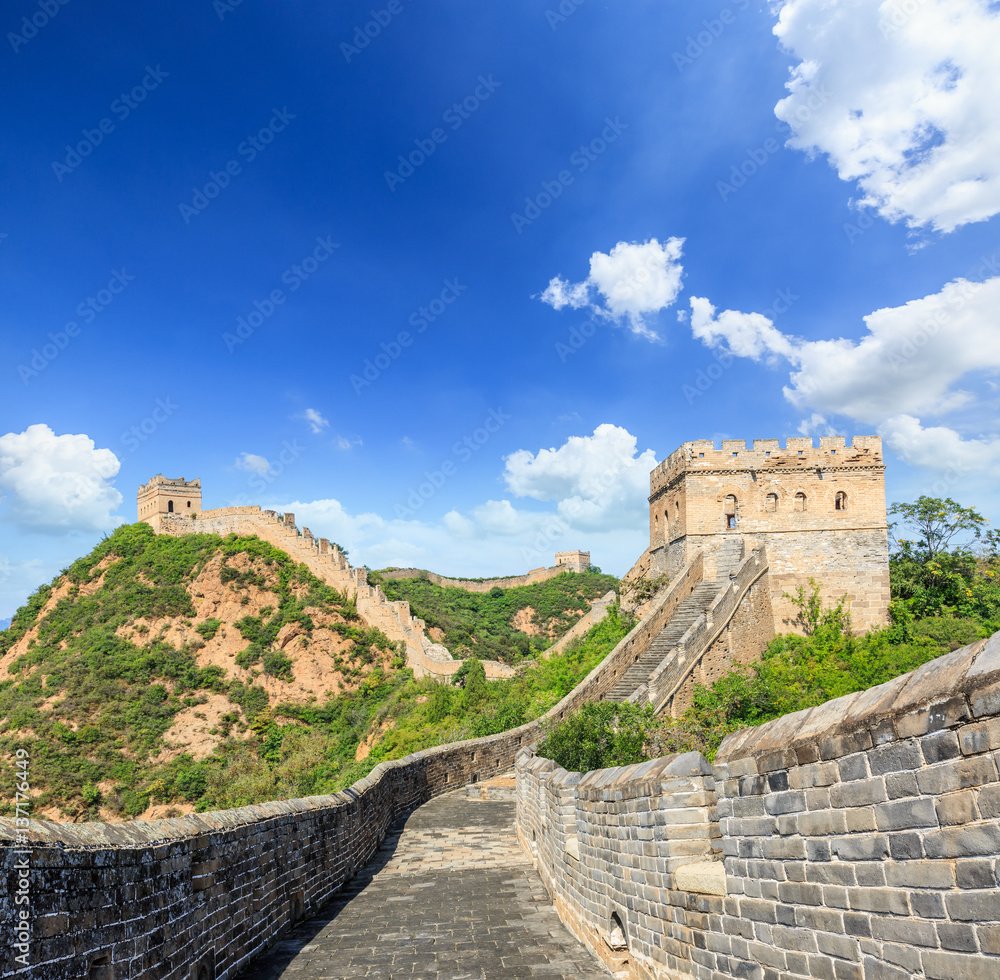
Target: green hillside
[[482, 624], [160, 675]]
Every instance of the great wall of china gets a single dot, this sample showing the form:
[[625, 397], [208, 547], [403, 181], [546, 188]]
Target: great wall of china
[[855, 841]]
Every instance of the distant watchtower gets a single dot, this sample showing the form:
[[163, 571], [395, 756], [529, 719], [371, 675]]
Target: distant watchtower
[[163, 497], [573, 561], [820, 512]]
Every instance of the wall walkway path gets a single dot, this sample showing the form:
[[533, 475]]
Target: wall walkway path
[[449, 895]]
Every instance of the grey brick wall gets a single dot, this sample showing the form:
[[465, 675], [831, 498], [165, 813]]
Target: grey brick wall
[[861, 841]]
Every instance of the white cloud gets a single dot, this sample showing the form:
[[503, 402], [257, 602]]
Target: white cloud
[[253, 464], [901, 95], [595, 487], [316, 421], [344, 444], [939, 448], [634, 281], [910, 361], [597, 480], [745, 334], [817, 425], [58, 483]]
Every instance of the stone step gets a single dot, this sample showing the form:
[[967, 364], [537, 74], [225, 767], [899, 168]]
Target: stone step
[[688, 611]]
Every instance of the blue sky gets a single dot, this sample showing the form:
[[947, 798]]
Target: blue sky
[[601, 230]]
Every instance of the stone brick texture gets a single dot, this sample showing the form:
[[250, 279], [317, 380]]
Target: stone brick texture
[[860, 840], [787, 499]]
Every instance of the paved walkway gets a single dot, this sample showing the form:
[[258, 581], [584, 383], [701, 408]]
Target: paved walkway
[[448, 896]]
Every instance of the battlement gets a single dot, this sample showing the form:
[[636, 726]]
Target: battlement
[[162, 481], [163, 496], [799, 452], [577, 560]]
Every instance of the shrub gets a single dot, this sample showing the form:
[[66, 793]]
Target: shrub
[[601, 734]]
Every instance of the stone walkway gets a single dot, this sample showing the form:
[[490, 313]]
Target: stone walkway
[[448, 896]]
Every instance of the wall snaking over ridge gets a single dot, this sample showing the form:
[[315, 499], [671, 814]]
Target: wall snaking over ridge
[[157, 900]]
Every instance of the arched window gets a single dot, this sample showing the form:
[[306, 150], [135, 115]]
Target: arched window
[[729, 510], [170, 506], [800, 501], [189, 503], [771, 503], [840, 501]]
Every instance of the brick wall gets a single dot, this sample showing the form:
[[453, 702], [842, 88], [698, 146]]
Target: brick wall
[[861, 841]]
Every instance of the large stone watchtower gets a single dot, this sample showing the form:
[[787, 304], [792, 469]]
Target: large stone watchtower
[[820, 512], [180, 498]]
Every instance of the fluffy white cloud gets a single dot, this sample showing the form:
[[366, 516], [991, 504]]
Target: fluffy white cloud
[[902, 96], [58, 483], [634, 282], [910, 361], [252, 463], [598, 485], [316, 421], [745, 334], [597, 480], [939, 447]]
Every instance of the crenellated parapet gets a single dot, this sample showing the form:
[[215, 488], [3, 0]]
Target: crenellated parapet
[[764, 455]]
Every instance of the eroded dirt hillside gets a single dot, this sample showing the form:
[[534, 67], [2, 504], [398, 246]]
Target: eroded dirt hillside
[[153, 655]]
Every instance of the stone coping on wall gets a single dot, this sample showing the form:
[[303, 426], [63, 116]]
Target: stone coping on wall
[[958, 687]]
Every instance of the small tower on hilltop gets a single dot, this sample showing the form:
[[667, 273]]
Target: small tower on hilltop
[[168, 498], [573, 561]]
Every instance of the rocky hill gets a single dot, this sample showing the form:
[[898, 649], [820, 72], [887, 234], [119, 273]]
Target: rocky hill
[[161, 674], [155, 649]]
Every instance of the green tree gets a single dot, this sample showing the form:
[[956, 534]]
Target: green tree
[[937, 521]]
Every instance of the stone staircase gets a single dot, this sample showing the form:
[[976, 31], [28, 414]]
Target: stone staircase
[[688, 610]]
